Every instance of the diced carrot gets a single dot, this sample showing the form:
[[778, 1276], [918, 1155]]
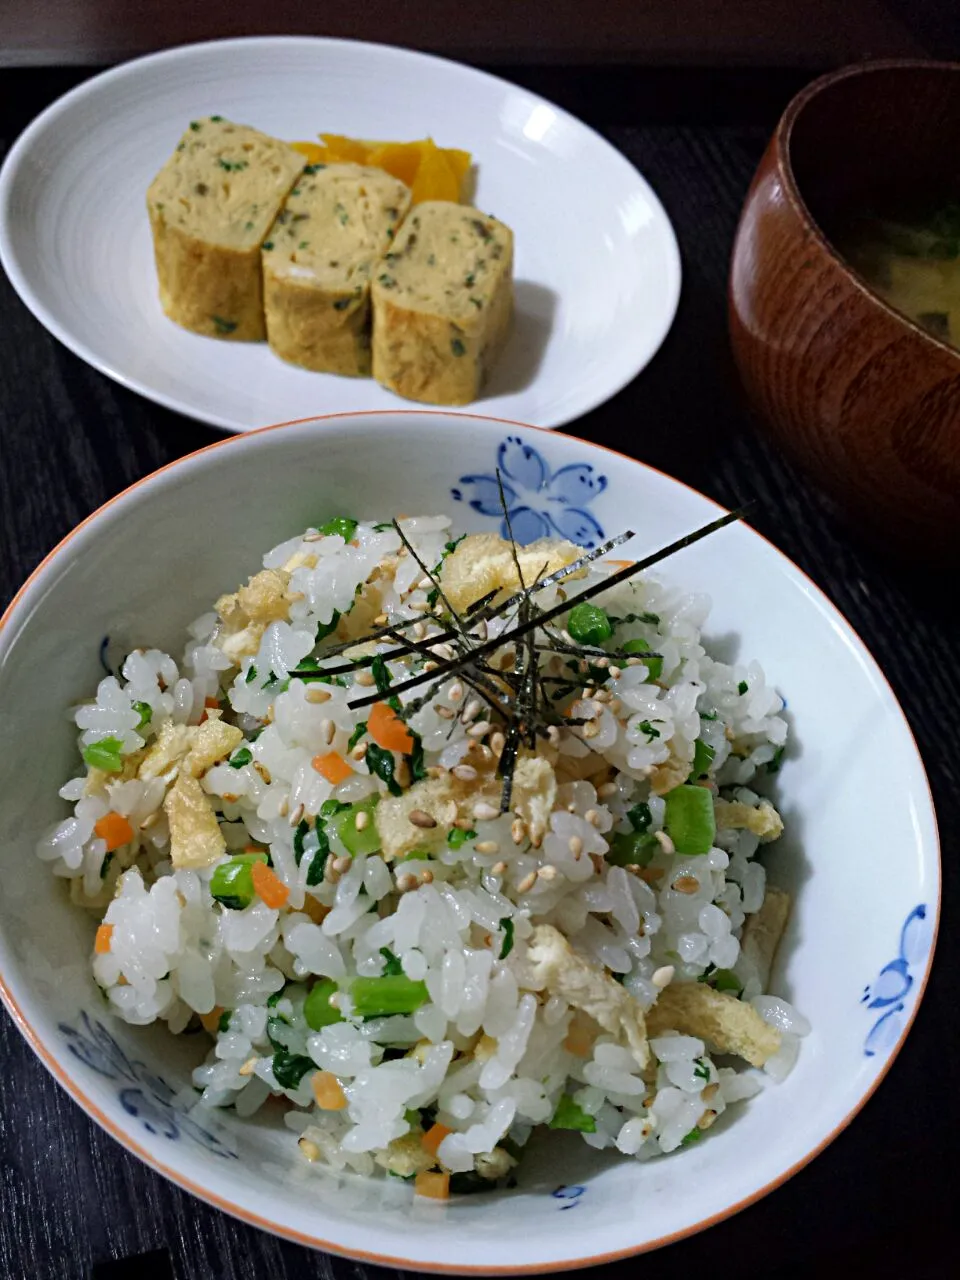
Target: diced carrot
[[333, 767], [114, 829], [211, 702], [312, 151], [327, 1091], [268, 885], [620, 564], [434, 1186], [101, 943], [315, 909], [387, 729], [433, 1137], [211, 1021]]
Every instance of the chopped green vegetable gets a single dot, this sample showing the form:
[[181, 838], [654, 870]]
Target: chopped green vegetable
[[632, 849], [299, 836], [416, 855], [196, 126], [380, 997], [646, 727], [777, 761], [105, 864], [325, 629], [727, 980], [589, 624], [640, 816], [506, 928], [457, 347], [330, 808], [693, 1136], [689, 819], [231, 166], [342, 526], [223, 326], [380, 762], [318, 863], [290, 1068], [317, 1009], [224, 1022], [569, 1115], [457, 837], [251, 674], [344, 824], [381, 676], [702, 1069], [392, 967], [418, 766], [104, 755], [232, 882], [702, 759], [359, 730], [742, 688], [145, 712], [240, 758], [653, 662]]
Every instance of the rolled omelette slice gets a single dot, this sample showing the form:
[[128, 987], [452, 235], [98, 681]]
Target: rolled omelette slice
[[442, 303], [318, 260], [210, 206]]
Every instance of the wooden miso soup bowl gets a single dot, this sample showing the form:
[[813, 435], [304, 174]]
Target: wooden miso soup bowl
[[861, 397]]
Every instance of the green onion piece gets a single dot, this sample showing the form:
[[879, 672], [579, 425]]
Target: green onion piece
[[317, 1009], [632, 849], [104, 755], [640, 816], [506, 926], [457, 837], [727, 980], [145, 712], [330, 808], [356, 842], [589, 624], [693, 1136], [412, 1117], [379, 997], [240, 758], [689, 819], [392, 967], [224, 1023], [339, 525], [569, 1115], [654, 663], [232, 882], [702, 759], [290, 1068]]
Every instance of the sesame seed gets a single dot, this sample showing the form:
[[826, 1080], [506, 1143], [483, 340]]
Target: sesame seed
[[343, 863], [527, 882], [328, 731], [424, 584], [420, 818], [480, 729], [430, 666], [359, 751], [296, 816], [487, 846], [309, 1149], [498, 868], [362, 820], [634, 662], [364, 679], [547, 873], [615, 706], [484, 812], [592, 817], [590, 729], [426, 876], [406, 882], [447, 812], [401, 772], [602, 663], [575, 845], [709, 1092], [443, 651], [615, 672], [317, 696], [587, 692], [518, 831], [485, 753], [248, 1066], [497, 743], [444, 712], [663, 976], [465, 772], [666, 844], [686, 884], [455, 692], [706, 1120], [470, 711], [312, 537], [606, 790], [602, 695], [419, 630], [418, 606]]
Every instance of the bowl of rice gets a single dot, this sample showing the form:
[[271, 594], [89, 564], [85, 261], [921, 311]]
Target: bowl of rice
[[444, 843]]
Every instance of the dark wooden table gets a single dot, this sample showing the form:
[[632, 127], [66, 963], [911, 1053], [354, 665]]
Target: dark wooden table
[[72, 1202]]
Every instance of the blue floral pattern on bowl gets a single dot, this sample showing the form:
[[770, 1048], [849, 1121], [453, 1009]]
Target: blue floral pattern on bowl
[[541, 503], [141, 1093], [893, 983]]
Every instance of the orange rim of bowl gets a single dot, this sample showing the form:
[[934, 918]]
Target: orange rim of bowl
[[783, 140], [327, 1246]]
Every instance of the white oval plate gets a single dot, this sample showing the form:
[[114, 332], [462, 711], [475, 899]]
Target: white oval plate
[[597, 266]]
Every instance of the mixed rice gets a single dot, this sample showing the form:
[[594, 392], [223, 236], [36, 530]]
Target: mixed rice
[[335, 895]]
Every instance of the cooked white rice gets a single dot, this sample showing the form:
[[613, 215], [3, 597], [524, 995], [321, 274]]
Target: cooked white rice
[[492, 1050]]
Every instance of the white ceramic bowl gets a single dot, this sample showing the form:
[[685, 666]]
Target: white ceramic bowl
[[865, 875]]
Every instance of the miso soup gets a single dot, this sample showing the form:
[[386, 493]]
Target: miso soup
[[912, 260]]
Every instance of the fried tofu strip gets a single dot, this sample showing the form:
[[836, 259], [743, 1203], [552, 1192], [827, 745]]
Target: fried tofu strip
[[728, 1024]]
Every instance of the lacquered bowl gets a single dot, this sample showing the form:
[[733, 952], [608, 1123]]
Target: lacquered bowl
[[867, 401], [865, 876]]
